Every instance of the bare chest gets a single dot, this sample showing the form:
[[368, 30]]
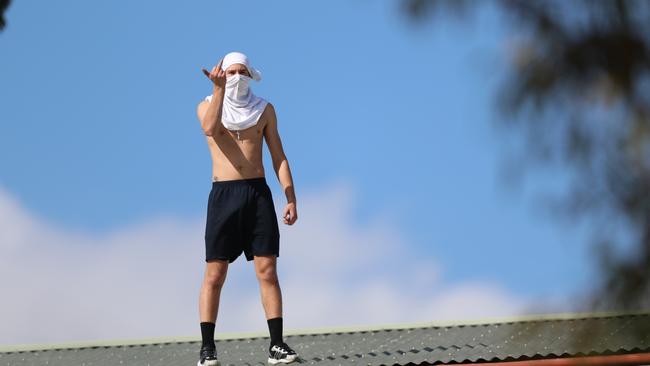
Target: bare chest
[[247, 140]]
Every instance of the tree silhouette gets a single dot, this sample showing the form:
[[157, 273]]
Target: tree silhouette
[[578, 89], [4, 4]]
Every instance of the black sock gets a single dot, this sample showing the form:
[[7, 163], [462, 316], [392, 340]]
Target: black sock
[[275, 329], [207, 333]]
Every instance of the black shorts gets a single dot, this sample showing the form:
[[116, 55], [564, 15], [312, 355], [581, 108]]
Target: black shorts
[[241, 217]]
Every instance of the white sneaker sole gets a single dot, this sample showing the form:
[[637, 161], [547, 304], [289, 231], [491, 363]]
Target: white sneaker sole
[[209, 363], [289, 359]]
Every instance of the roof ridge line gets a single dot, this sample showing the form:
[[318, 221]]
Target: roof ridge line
[[323, 330]]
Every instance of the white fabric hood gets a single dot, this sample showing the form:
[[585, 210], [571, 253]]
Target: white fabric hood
[[241, 107]]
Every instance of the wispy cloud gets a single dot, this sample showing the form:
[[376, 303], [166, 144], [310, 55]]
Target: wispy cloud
[[143, 280]]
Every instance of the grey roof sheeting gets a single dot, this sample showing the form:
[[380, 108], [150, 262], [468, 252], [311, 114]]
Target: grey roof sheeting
[[522, 338]]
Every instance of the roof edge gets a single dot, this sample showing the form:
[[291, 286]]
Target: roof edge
[[324, 330]]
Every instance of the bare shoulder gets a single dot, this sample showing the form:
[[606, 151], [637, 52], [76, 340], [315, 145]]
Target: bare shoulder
[[272, 135], [270, 109], [269, 113], [201, 108]]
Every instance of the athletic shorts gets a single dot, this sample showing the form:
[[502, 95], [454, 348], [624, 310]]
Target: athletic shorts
[[241, 217]]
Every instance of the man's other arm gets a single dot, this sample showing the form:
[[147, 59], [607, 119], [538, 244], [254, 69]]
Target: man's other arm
[[280, 163]]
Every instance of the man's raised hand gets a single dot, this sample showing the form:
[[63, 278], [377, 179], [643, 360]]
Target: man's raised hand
[[217, 75]]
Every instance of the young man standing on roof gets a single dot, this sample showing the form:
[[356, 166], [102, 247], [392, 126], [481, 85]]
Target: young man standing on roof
[[240, 211]]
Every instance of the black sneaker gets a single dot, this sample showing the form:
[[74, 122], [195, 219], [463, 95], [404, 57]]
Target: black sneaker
[[208, 357], [281, 353]]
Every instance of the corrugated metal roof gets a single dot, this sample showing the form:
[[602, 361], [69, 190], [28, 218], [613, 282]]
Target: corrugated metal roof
[[522, 338]]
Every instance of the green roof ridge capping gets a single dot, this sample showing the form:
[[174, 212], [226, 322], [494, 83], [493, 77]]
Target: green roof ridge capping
[[311, 331]]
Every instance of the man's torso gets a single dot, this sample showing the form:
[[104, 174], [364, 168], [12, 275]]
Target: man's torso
[[237, 157]]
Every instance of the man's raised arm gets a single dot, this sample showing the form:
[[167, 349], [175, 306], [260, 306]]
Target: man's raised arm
[[209, 113]]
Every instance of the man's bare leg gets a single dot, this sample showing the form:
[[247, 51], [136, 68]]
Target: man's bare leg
[[266, 272], [213, 281]]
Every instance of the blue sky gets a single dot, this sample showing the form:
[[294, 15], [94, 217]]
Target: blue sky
[[99, 130]]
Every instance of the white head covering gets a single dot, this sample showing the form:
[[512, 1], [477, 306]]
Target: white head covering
[[241, 108], [240, 58]]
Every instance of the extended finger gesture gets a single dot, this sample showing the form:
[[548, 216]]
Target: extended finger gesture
[[217, 75]]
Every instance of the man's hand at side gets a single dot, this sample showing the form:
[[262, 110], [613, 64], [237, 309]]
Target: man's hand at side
[[290, 215]]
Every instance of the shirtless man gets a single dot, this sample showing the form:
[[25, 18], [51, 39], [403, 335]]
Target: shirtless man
[[241, 215]]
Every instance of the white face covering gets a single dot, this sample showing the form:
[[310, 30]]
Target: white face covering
[[237, 88], [241, 108]]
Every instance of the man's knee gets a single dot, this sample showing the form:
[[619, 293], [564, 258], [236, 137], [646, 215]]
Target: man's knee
[[216, 272], [267, 272], [269, 276]]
